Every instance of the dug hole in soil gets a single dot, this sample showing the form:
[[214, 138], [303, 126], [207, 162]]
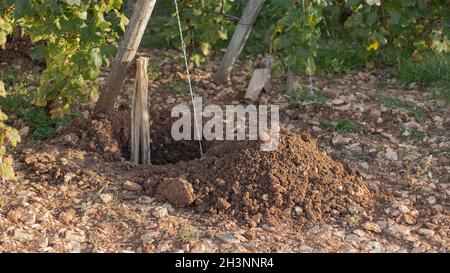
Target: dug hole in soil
[[297, 183]]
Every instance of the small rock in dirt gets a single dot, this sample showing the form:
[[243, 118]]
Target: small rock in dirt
[[431, 200], [41, 241], [160, 212], [305, 249], [198, 248], [292, 114], [400, 230], [250, 235], [363, 165], [131, 186], [178, 192], [76, 236], [335, 213], [340, 140], [316, 129], [391, 154], [375, 113], [355, 147], [67, 216], [298, 211], [409, 219], [106, 198], [223, 204], [403, 209], [146, 200], [23, 235], [438, 119], [228, 238], [352, 238], [149, 237], [373, 227], [29, 218], [375, 246], [359, 232], [337, 101], [25, 131], [426, 232], [74, 247]]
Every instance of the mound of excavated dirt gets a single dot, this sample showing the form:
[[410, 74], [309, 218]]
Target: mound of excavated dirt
[[296, 182]]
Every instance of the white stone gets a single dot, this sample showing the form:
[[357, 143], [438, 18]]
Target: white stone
[[403, 209], [228, 238], [160, 212], [23, 235], [391, 154], [106, 198], [431, 200], [76, 236]]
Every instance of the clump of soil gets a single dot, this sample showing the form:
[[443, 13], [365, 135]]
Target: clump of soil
[[296, 182], [178, 192], [94, 136]]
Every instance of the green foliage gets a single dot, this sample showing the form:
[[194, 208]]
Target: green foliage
[[408, 24], [415, 135], [441, 94], [9, 75], [202, 21], [300, 96], [344, 125], [431, 69], [8, 136], [411, 108], [75, 38], [337, 54], [295, 32], [6, 26], [42, 125], [188, 234]]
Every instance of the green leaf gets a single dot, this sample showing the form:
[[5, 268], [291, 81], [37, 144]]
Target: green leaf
[[23, 8], [13, 136], [95, 56], [2, 89], [37, 52], [6, 170], [394, 17], [372, 18], [3, 39]]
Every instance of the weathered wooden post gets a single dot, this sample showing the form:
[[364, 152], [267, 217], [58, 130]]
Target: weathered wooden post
[[290, 81], [130, 6], [142, 12], [239, 39], [261, 80], [140, 125]]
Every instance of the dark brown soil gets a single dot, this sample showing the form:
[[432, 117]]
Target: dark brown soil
[[296, 183], [16, 53]]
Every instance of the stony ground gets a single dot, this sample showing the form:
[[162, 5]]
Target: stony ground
[[398, 139]]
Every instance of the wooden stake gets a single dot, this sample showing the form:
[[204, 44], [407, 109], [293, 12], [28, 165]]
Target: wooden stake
[[140, 125], [261, 80], [290, 81], [238, 40]]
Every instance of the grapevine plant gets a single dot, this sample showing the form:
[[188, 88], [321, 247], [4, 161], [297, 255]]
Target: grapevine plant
[[74, 38]]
